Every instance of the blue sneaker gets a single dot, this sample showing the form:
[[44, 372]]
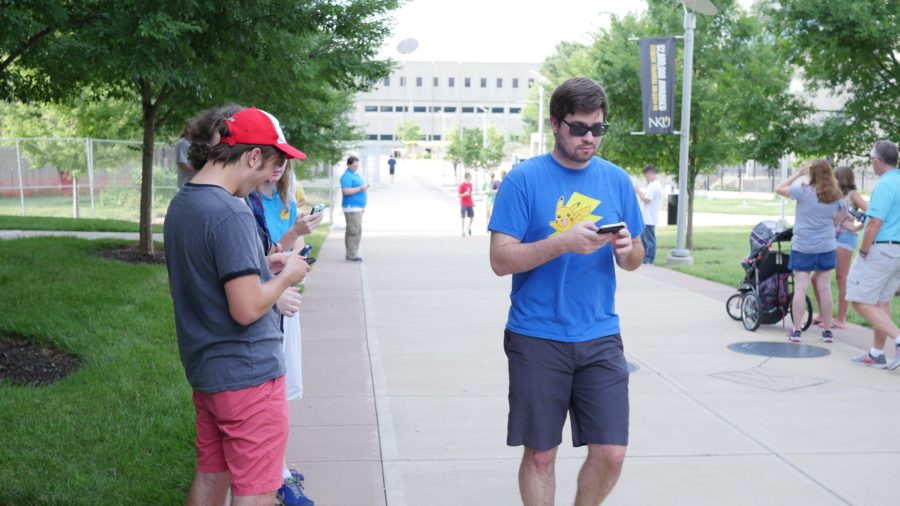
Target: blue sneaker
[[291, 494], [297, 476]]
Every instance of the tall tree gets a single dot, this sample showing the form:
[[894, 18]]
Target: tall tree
[[291, 58], [741, 105], [851, 49]]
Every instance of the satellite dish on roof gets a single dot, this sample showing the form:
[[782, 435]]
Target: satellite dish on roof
[[701, 6], [407, 46]]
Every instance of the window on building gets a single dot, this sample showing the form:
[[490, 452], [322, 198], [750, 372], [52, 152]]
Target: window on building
[[371, 108], [420, 108], [418, 82], [386, 108], [468, 109], [435, 109], [515, 110], [515, 83], [499, 82], [451, 82], [530, 83], [436, 137], [386, 81], [435, 81], [467, 82], [402, 81], [450, 108], [373, 137], [496, 110], [387, 137], [484, 82], [401, 108]]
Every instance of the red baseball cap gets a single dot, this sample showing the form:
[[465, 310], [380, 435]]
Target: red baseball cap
[[254, 126]]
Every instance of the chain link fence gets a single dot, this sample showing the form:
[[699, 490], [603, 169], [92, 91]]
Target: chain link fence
[[97, 178], [756, 178]]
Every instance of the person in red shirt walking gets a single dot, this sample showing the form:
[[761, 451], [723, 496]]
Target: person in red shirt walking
[[467, 206]]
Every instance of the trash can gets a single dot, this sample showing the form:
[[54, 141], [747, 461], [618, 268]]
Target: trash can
[[673, 209]]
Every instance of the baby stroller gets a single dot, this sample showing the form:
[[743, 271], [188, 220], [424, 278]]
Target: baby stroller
[[766, 293]]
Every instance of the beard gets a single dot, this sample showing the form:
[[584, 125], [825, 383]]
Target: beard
[[574, 154]]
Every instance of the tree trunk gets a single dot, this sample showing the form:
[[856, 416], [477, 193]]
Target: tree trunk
[[149, 122]]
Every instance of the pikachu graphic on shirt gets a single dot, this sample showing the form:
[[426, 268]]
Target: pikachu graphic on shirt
[[576, 210]]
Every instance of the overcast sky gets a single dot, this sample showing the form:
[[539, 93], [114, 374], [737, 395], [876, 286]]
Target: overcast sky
[[499, 30]]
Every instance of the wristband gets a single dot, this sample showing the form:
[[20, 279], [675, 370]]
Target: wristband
[[863, 253]]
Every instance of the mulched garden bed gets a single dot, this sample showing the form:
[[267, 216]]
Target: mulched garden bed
[[23, 362]]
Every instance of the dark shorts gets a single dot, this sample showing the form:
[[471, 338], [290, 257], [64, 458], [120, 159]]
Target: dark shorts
[[391, 170], [467, 211], [812, 262], [547, 379]]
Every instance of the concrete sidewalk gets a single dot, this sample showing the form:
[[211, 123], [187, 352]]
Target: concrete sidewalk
[[406, 383]]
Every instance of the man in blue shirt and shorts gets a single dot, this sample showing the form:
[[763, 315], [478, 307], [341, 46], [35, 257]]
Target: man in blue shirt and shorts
[[562, 338], [875, 275]]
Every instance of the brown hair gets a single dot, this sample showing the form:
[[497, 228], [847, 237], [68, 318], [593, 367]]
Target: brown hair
[[578, 94], [846, 180], [282, 186], [201, 129], [822, 178]]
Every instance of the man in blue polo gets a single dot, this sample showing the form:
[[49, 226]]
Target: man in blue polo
[[875, 275], [353, 189], [562, 341]]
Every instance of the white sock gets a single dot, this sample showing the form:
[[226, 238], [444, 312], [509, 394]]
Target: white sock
[[897, 341], [286, 474], [875, 353]]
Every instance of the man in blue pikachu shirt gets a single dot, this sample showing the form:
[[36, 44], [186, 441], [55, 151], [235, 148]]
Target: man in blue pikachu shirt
[[562, 337]]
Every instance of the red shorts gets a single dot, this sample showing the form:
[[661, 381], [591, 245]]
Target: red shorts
[[244, 432]]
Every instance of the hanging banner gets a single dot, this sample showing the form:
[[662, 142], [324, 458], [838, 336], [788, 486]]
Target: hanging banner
[[658, 84]]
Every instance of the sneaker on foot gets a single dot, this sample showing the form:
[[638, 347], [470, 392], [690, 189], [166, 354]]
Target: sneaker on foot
[[895, 362], [470, 231], [794, 336], [827, 336], [354, 259], [869, 360], [297, 475], [291, 494]]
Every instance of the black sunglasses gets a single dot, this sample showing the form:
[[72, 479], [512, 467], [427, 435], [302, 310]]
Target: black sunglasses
[[578, 130]]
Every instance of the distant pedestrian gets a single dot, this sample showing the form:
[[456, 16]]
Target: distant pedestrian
[[392, 164], [846, 234], [651, 201], [875, 276], [183, 170], [354, 190], [813, 245], [562, 338], [466, 204], [489, 190]]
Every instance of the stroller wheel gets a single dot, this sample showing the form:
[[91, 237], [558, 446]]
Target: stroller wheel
[[733, 306], [751, 309], [806, 319]]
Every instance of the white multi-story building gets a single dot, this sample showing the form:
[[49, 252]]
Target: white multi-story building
[[440, 96]]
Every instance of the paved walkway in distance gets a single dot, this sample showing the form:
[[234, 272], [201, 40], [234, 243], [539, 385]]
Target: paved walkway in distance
[[406, 382]]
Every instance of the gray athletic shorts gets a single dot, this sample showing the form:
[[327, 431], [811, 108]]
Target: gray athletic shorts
[[876, 278], [547, 379]]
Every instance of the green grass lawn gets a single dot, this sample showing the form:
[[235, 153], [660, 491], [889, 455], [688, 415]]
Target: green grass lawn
[[80, 225], [718, 252], [119, 430], [703, 204]]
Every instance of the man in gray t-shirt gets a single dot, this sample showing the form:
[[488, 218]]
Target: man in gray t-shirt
[[224, 295], [182, 167]]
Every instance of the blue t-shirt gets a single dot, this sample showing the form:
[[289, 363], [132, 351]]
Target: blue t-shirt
[[572, 297], [351, 179], [279, 217], [885, 205]]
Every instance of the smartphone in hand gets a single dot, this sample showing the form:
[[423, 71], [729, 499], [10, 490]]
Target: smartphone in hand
[[318, 208], [611, 228]]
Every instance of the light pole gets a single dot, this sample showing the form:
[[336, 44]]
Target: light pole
[[541, 79], [681, 255]]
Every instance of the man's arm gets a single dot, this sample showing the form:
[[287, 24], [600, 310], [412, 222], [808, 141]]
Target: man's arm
[[641, 195], [872, 228], [352, 191], [629, 250], [249, 300], [185, 167], [511, 256]]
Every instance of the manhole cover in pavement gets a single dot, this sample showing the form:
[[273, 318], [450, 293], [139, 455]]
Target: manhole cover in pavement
[[780, 350], [632, 367]]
